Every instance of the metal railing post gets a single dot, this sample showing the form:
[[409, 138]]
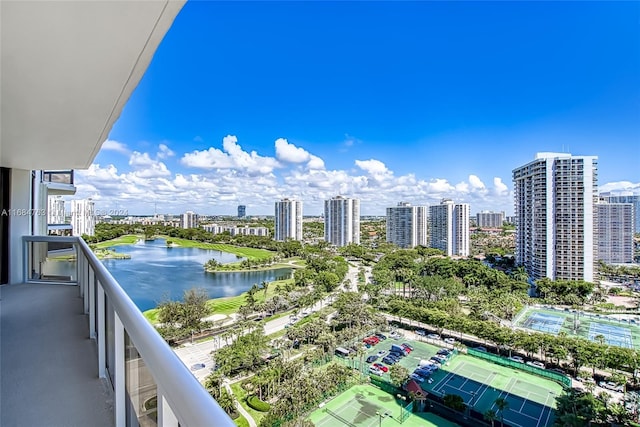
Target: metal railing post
[[166, 417], [119, 388], [102, 332]]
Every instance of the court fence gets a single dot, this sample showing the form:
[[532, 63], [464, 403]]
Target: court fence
[[554, 376]]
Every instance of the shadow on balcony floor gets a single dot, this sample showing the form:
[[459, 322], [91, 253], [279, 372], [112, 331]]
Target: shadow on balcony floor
[[48, 365]]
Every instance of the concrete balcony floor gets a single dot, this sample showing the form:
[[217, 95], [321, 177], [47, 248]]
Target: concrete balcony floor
[[48, 364]]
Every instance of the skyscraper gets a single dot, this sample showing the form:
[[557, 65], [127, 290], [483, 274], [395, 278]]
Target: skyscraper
[[407, 225], [342, 221], [634, 199], [615, 232], [242, 211], [555, 197], [288, 221], [55, 210], [189, 220], [449, 227], [83, 218]]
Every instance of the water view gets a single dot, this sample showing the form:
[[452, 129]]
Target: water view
[[156, 272]]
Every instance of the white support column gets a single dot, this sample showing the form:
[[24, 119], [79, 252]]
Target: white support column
[[166, 417], [85, 284], [120, 389], [102, 333], [92, 303], [19, 225]]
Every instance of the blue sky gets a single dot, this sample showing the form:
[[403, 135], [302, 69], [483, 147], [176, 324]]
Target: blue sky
[[250, 102]]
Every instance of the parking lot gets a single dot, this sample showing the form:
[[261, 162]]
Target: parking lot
[[421, 351]]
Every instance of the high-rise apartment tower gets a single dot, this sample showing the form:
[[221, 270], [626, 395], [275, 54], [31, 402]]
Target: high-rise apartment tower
[[449, 227], [288, 221], [342, 221], [407, 225], [555, 197]]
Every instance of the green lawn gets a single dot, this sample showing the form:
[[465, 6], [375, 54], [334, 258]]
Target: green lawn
[[129, 239], [227, 305], [241, 421], [250, 253], [241, 394]]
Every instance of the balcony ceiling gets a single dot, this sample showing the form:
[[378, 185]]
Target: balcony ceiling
[[66, 71]]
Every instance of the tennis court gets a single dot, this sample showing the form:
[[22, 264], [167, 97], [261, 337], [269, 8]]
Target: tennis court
[[530, 399], [613, 335], [618, 332], [544, 322], [368, 406]]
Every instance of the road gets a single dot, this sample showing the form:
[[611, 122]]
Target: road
[[198, 354]]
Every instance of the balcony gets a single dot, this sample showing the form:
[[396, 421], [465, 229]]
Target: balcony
[[59, 183], [76, 351]]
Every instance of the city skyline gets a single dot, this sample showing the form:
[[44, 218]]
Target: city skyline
[[438, 104]]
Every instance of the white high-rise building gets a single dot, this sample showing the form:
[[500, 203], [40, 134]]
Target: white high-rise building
[[555, 197], [55, 210], [83, 217], [288, 221], [342, 221], [449, 227], [189, 220], [487, 219], [407, 225], [615, 232], [625, 197]]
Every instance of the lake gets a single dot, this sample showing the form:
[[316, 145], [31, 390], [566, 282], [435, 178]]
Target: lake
[[156, 272]]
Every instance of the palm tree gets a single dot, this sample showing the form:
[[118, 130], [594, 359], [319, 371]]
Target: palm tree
[[501, 404], [264, 286], [491, 416]]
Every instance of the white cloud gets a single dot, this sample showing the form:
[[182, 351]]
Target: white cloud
[[115, 146], [164, 152], [138, 159], [621, 188], [290, 153], [216, 180], [233, 157]]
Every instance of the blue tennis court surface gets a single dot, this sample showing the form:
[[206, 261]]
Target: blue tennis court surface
[[613, 335], [544, 322]]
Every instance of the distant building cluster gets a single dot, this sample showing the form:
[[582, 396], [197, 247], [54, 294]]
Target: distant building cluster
[[490, 219], [236, 230], [563, 227]]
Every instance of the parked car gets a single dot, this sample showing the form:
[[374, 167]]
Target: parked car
[[396, 355], [420, 332], [610, 385], [381, 336], [371, 359], [405, 345], [382, 353], [395, 335], [416, 378], [381, 367], [443, 352], [516, 359], [375, 371], [389, 360], [480, 348], [433, 336], [424, 373], [435, 359], [536, 364], [450, 341]]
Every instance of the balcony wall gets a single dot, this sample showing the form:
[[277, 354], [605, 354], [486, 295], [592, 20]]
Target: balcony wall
[[81, 350]]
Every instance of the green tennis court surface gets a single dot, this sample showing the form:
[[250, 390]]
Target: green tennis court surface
[[620, 333], [366, 406], [530, 399]]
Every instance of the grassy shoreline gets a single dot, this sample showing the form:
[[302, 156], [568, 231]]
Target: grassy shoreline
[[249, 253], [227, 305]]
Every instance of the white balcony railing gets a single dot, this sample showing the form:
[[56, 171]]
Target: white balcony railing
[[151, 385]]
